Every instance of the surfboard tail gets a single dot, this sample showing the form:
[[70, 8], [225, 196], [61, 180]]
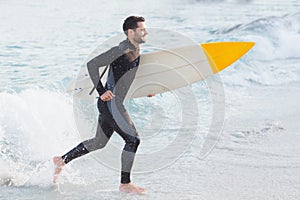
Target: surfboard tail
[[231, 51]]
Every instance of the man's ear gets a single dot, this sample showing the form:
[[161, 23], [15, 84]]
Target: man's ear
[[130, 31]]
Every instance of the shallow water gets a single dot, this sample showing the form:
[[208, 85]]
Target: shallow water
[[239, 140]]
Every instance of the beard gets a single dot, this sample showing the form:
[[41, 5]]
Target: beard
[[140, 39]]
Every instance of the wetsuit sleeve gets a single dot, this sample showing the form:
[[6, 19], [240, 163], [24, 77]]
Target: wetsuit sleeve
[[101, 60], [104, 59]]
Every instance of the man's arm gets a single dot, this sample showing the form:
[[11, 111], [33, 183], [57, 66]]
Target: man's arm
[[106, 59], [101, 60]]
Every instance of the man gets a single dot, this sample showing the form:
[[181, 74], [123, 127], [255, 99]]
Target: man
[[123, 61]]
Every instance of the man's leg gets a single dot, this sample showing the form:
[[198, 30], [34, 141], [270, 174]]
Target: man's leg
[[130, 136], [103, 134]]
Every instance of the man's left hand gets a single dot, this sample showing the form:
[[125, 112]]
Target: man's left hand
[[150, 95]]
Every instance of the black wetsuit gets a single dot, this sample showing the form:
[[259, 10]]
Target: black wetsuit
[[113, 115]]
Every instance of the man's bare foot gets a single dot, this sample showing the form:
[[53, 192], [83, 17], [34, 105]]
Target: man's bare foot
[[59, 163], [130, 188]]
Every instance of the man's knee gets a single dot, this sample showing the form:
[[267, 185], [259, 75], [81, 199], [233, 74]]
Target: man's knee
[[136, 141], [132, 144]]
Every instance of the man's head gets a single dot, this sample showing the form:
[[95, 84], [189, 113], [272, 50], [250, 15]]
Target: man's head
[[135, 29]]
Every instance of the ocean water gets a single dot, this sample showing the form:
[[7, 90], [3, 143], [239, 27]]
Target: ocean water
[[232, 136]]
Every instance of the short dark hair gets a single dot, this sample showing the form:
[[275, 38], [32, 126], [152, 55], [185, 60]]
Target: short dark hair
[[131, 23]]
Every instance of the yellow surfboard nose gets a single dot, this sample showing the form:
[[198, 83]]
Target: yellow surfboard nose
[[222, 54]]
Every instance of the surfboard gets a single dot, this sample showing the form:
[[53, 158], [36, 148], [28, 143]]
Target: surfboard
[[170, 69]]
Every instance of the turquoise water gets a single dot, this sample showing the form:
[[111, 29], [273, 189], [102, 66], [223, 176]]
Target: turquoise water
[[240, 144]]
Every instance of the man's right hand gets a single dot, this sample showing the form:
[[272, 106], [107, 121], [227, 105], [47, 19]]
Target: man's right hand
[[107, 96]]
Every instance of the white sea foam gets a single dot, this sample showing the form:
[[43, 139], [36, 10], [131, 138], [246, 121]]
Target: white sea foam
[[36, 125]]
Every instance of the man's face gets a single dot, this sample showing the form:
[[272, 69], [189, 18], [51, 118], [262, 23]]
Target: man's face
[[140, 33]]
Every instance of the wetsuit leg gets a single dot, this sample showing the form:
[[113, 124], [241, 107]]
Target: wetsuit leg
[[132, 142], [103, 134]]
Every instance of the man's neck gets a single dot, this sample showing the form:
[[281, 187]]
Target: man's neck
[[133, 54], [136, 44]]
